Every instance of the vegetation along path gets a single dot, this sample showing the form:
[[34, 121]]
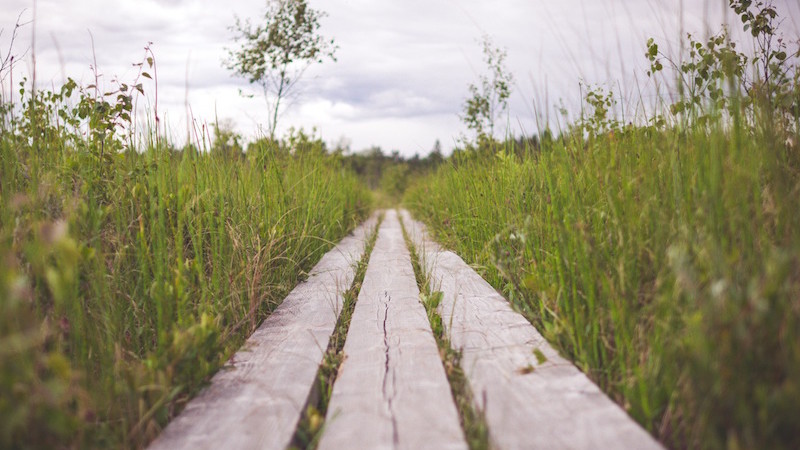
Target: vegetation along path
[[391, 388]]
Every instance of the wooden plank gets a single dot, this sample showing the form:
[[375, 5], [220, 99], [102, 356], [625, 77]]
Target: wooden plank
[[553, 406], [392, 391], [256, 399]]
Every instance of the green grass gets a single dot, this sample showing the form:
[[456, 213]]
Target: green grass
[[128, 276], [664, 262], [661, 255]]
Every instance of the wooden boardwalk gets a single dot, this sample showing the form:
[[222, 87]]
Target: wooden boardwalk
[[391, 391]]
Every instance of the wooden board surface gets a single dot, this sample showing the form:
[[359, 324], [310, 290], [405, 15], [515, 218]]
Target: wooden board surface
[[553, 406], [256, 399], [392, 391]]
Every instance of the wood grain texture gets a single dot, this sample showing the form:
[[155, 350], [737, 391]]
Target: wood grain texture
[[392, 391], [553, 406], [256, 399]]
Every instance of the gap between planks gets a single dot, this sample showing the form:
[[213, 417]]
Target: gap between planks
[[256, 399]]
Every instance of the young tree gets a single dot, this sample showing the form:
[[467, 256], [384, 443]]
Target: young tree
[[489, 98], [275, 53]]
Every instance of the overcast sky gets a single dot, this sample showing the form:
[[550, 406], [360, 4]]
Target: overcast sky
[[403, 65]]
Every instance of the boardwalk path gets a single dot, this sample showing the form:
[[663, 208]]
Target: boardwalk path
[[392, 391]]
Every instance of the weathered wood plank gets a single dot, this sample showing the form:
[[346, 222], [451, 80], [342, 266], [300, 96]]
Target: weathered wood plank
[[256, 399], [392, 391], [553, 406]]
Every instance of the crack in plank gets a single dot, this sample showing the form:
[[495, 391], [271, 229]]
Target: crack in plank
[[392, 390], [389, 396]]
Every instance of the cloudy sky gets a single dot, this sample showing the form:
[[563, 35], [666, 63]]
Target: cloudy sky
[[403, 65]]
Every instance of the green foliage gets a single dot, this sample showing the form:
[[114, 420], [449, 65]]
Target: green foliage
[[489, 98], [275, 53], [128, 275], [714, 76], [663, 259], [226, 143], [672, 285], [394, 180], [775, 91], [600, 117], [391, 174], [298, 142], [704, 76]]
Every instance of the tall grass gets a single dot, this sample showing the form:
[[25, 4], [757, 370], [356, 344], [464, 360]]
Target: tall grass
[[127, 276], [663, 259], [666, 265]]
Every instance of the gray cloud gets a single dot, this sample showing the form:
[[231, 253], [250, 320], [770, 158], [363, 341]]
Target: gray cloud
[[403, 67]]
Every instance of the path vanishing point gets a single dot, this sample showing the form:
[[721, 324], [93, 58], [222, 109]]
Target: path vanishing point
[[391, 391]]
